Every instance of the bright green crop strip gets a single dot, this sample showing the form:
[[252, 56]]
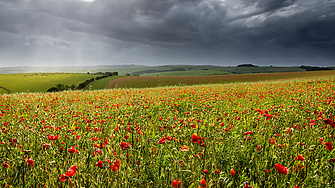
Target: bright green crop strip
[[39, 82]]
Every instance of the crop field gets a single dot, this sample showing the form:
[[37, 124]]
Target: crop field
[[100, 84], [188, 73], [248, 70], [39, 82], [160, 81], [176, 70], [261, 134]]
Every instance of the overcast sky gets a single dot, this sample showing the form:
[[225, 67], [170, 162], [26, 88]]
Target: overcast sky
[[161, 32]]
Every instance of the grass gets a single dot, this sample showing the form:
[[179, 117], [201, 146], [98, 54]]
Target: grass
[[159, 81], [39, 82]]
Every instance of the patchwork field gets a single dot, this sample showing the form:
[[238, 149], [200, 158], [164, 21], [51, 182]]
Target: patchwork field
[[159, 81], [188, 73], [184, 70], [261, 134], [39, 82], [100, 84]]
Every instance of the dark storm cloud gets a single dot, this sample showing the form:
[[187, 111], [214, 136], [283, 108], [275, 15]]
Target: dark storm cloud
[[311, 28], [269, 5], [263, 7], [181, 31]]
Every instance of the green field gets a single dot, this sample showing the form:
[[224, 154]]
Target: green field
[[188, 73], [160, 81], [39, 82]]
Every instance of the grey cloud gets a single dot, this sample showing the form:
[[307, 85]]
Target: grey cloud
[[168, 30], [271, 5], [263, 7]]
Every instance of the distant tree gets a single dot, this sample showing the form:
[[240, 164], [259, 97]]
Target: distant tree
[[247, 65], [82, 85], [53, 89], [108, 73], [115, 73], [72, 87], [309, 68], [60, 87]]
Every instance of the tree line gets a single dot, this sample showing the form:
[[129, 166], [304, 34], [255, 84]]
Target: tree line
[[61, 87]]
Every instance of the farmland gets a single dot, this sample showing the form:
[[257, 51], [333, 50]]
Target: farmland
[[185, 70], [39, 82], [159, 81], [188, 73], [260, 134], [100, 84]]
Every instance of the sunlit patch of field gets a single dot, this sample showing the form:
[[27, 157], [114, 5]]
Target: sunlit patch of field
[[39, 82]]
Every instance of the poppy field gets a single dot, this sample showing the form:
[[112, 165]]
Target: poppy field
[[261, 134]]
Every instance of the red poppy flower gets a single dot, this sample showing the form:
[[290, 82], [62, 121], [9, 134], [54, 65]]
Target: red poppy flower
[[247, 186], [232, 171], [99, 164], [206, 171], [194, 138], [176, 183], [116, 165], [5, 164], [281, 169], [45, 146], [72, 150], [63, 178], [329, 146], [184, 148], [162, 140], [203, 183], [218, 171], [70, 172], [328, 121], [125, 145], [272, 141], [299, 158], [50, 137], [30, 162]]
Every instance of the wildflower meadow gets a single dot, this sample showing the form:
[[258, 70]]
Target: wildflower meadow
[[261, 134]]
